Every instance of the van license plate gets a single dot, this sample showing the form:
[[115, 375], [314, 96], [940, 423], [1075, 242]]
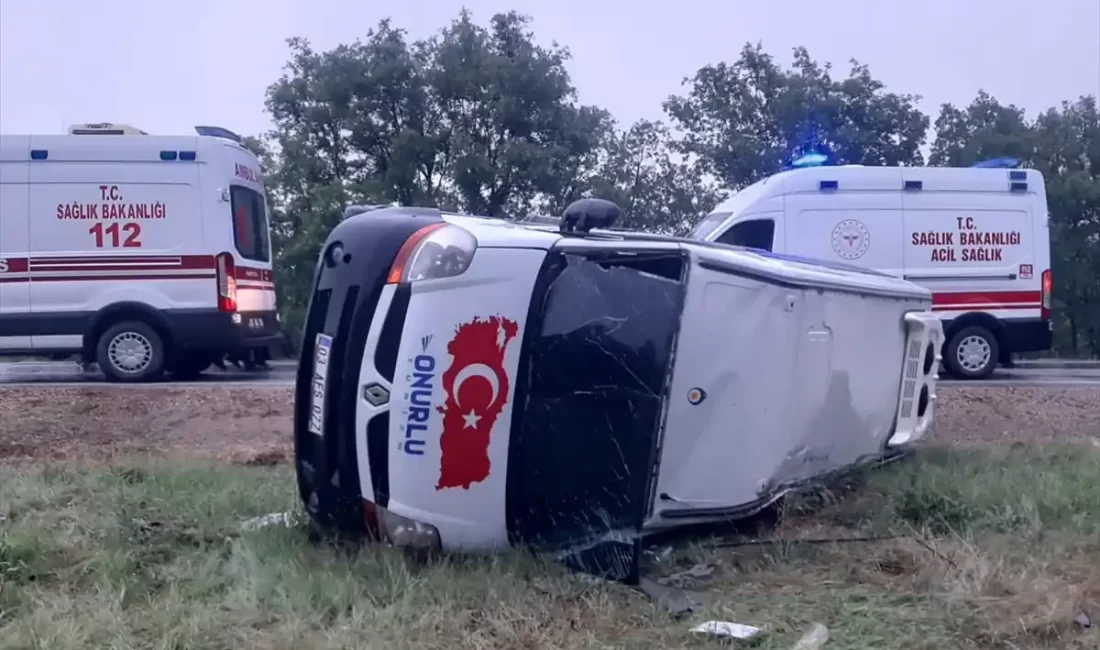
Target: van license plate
[[320, 382]]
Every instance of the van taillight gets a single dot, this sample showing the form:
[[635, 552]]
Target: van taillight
[[1048, 289], [227, 284]]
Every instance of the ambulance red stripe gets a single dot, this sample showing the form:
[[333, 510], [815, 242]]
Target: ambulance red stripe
[[99, 277], [986, 300], [124, 267]]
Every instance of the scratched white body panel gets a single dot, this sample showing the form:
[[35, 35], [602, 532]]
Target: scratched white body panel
[[772, 383]]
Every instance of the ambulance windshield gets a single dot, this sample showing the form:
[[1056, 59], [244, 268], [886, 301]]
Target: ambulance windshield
[[729, 208]]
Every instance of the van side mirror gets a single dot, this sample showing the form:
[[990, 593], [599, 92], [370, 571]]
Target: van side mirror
[[585, 214]]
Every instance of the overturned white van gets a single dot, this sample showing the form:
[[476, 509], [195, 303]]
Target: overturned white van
[[475, 384]]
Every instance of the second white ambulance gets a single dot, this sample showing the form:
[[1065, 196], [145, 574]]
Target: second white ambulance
[[977, 237], [143, 253]]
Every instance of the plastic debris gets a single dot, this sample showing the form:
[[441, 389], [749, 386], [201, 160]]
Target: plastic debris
[[1083, 620], [674, 600], [272, 519], [696, 571], [813, 639], [726, 630]]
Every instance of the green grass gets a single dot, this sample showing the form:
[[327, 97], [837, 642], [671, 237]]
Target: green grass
[[1001, 549]]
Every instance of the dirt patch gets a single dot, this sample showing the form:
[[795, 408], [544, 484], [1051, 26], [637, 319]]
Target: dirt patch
[[249, 425], [252, 425], [1007, 415]]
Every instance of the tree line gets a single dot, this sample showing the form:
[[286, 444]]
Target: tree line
[[482, 119]]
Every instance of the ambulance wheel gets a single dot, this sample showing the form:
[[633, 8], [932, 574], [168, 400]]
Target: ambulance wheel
[[972, 353], [130, 351]]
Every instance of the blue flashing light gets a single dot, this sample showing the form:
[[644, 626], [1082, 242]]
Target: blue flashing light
[[812, 159], [187, 155], [168, 155], [1004, 162], [39, 154]]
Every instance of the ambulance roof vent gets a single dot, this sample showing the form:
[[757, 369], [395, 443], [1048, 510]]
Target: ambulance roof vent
[[219, 132], [105, 128]]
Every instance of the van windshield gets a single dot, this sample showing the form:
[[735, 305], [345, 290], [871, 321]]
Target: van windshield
[[250, 233], [730, 207]]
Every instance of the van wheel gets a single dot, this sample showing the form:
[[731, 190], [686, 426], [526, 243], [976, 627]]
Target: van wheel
[[130, 351], [972, 353]]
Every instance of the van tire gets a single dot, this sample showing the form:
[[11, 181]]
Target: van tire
[[130, 352], [972, 353]]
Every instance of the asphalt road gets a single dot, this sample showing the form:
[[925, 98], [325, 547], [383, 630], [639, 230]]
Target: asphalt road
[[61, 373]]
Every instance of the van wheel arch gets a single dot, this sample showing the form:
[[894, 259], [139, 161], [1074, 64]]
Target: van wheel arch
[[125, 311], [967, 321]]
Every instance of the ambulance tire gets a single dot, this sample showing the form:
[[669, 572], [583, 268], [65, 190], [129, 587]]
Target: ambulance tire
[[982, 342], [130, 352]]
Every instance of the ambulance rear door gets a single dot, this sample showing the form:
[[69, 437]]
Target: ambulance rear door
[[239, 223]]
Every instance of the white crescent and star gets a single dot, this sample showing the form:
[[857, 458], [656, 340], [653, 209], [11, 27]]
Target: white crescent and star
[[476, 370]]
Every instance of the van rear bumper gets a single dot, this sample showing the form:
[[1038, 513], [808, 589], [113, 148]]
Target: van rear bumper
[[210, 330], [1027, 335]]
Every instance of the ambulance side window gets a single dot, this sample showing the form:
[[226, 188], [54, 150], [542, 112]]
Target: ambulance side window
[[758, 233]]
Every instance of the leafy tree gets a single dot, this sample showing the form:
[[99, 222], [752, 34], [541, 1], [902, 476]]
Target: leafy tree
[[654, 185], [983, 130], [746, 120], [478, 119], [509, 111], [1067, 152]]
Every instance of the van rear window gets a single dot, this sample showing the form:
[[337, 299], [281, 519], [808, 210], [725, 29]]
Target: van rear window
[[250, 224]]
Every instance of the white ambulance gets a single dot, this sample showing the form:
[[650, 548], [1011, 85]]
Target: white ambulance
[[977, 237], [144, 253]]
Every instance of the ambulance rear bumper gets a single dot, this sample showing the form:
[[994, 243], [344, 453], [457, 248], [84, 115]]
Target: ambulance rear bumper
[[217, 331], [1027, 335]]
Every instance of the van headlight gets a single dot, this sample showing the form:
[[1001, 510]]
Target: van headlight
[[441, 250], [399, 531]]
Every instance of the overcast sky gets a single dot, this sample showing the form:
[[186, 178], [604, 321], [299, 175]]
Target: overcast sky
[[167, 65]]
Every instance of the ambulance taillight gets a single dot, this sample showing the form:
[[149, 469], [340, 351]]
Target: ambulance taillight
[[1048, 289], [227, 283]]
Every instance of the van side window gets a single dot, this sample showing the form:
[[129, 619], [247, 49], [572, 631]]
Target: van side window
[[757, 233], [249, 224]]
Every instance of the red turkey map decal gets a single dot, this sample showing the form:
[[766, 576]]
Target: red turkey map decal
[[476, 387]]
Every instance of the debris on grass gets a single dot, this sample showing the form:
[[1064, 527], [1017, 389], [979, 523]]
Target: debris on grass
[[697, 571], [813, 639], [674, 600], [287, 519], [726, 630]]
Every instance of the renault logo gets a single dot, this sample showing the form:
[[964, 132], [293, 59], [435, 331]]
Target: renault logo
[[375, 394]]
